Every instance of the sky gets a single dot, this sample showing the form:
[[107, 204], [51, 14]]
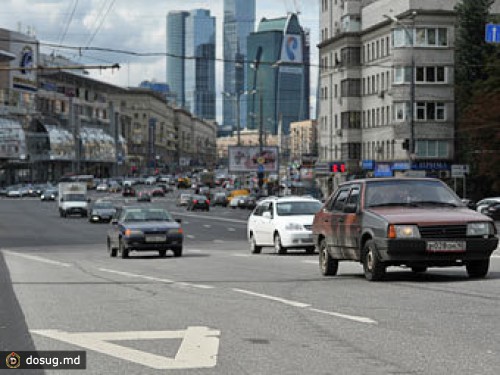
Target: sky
[[135, 26]]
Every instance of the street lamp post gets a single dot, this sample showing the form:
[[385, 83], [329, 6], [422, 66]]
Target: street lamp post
[[411, 36], [236, 97]]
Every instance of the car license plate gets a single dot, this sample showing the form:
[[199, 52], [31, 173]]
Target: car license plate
[[446, 246], [156, 238]]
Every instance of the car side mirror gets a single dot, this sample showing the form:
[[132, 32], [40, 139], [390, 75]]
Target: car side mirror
[[351, 208], [266, 215], [178, 221], [114, 222]]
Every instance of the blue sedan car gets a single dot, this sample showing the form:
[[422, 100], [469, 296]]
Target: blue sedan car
[[144, 228]]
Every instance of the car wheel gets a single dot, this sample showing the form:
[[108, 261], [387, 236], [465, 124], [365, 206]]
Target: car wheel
[[123, 249], [477, 269], [163, 253], [310, 250], [111, 250], [419, 269], [254, 248], [373, 267], [177, 251], [278, 247], [327, 265]]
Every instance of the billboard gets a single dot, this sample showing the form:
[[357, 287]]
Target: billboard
[[25, 48], [291, 50], [251, 159]]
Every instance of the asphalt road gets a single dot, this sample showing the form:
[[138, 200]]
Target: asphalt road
[[221, 310]]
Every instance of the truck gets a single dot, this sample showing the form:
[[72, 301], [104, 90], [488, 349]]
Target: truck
[[207, 179], [72, 199]]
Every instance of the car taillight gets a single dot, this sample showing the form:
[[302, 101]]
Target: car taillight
[[195, 201]]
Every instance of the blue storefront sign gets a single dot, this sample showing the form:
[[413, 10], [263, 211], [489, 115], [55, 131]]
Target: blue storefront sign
[[368, 165], [400, 166], [431, 165], [383, 170]]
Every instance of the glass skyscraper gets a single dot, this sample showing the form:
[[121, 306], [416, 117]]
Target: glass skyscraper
[[176, 26], [280, 84], [199, 72], [191, 61], [239, 22]]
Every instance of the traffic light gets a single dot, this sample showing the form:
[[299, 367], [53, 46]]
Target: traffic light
[[338, 168]]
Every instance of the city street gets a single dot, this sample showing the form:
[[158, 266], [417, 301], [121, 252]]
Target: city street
[[219, 309]]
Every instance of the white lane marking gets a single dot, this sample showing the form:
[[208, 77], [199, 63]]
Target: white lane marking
[[195, 251], [199, 347], [241, 255], [310, 261], [359, 319], [277, 299], [37, 259], [219, 241], [207, 226], [231, 230], [190, 236], [151, 278]]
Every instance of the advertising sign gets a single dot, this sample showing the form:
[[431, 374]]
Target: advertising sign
[[24, 78], [291, 50], [250, 159]]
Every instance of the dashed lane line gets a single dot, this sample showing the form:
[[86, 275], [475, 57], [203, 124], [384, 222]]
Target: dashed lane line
[[37, 259], [157, 279], [359, 319], [277, 299]]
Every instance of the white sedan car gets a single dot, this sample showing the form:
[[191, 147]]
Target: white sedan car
[[283, 223]]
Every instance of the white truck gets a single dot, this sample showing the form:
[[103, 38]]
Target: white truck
[[73, 199]]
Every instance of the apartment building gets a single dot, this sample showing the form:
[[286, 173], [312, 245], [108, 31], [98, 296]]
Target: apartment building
[[379, 59]]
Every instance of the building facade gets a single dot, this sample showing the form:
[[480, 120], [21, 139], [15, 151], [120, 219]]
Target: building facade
[[176, 50], [239, 22], [279, 80], [199, 74], [377, 115], [303, 140]]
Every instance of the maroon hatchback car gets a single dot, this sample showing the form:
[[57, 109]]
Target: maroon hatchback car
[[412, 222]]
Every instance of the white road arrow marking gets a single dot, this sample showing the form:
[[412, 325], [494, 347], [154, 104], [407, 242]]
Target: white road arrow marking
[[198, 349]]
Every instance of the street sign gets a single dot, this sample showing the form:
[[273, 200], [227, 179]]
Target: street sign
[[459, 170], [492, 34]]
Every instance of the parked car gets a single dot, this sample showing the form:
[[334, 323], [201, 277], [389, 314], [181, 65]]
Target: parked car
[[145, 228], [49, 194], [493, 211], [283, 223], [128, 191], [412, 222], [183, 199], [198, 202], [483, 204], [144, 196], [102, 211]]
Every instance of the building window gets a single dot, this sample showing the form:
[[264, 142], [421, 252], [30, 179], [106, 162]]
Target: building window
[[350, 120], [350, 87], [350, 56], [424, 37], [431, 148], [401, 111], [430, 111]]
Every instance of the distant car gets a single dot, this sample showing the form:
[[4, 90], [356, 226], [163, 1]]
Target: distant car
[[412, 222], [157, 192], [183, 199], [493, 211], [144, 228], [49, 194], [102, 187], [150, 180], [128, 191], [144, 196], [198, 202], [114, 187], [219, 199], [282, 223], [16, 192], [235, 202], [248, 202], [102, 211], [204, 190], [483, 204]]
